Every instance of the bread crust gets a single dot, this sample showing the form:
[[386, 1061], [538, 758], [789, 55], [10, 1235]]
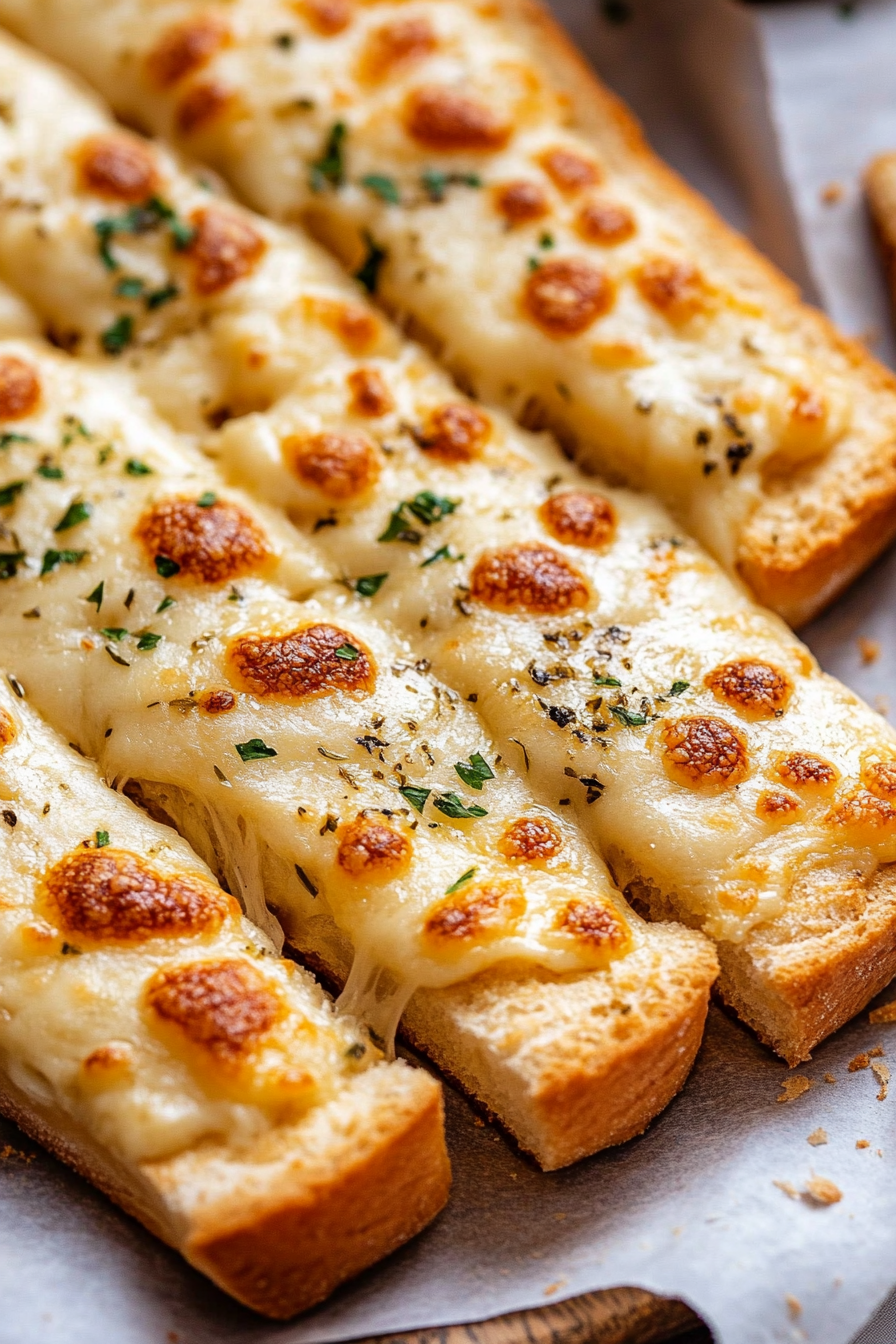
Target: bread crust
[[279, 1230], [817, 529]]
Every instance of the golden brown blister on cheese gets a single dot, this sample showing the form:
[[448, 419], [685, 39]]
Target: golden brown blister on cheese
[[340, 465], [316, 660], [212, 543], [758, 690], [394, 46], [186, 48], [595, 924], [225, 248], [110, 895], [569, 171], [807, 772], [8, 731], [326, 17], [674, 287], [219, 701], [566, 295], [448, 121], [19, 388], [356, 327], [478, 912], [204, 104], [370, 395], [223, 1007], [701, 751], [605, 223], [579, 518], [370, 848], [528, 577], [521, 201], [455, 432], [530, 840], [776, 806], [863, 813], [117, 166], [879, 778]]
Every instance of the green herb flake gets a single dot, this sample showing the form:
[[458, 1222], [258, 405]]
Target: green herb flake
[[382, 187], [102, 839], [348, 653], [601, 680], [10, 493], [678, 687], [415, 795], [156, 298], [454, 807], [49, 472], [425, 507], [104, 454], [369, 584], [368, 273], [464, 877], [52, 560], [166, 567], [116, 657], [165, 603], [443, 553], [285, 41], [476, 773], [74, 429], [207, 499], [253, 750], [77, 512], [627, 718], [116, 632], [8, 439], [435, 183], [130, 287], [9, 563], [96, 597], [546, 241], [148, 640], [134, 467], [329, 169], [117, 337]]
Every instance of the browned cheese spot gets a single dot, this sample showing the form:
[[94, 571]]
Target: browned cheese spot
[[569, 172], [879, 778], [217, 702], [800, 770], [521, 201], [593, 923], [807, 407], [8, 731], [757, 689], [579, 518], [369, 847], [326, 17], [675, 288], [19, 388], [107, 1061], [445, 120], [305, 663], [865, 813], [528, 577], [566, 295], [395, 46], [211, 545], [455, 432], [605, 223], [223, 1006], [225, 248], [773, 805], [482, 912], [109, 895], [703, 751], [339, 465], [357, 328], [530, 840], [118, 167], [202, 104], [186, 48], [370, 394]]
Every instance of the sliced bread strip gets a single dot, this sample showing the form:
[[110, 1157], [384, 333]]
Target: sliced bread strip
[[151, 1038], [464, 162]]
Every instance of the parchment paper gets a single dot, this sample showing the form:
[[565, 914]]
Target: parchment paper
[[760, 108]]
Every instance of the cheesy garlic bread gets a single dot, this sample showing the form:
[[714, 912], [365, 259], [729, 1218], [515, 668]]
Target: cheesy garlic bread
[[467, 167], [310, 758], [151, 1037]]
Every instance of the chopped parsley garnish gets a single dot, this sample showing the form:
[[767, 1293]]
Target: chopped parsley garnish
[[96, 597], [476, 773], [454, 807], [329, 169], [165, 603], [285, 41], [10, 493], [50, 472], [426, 508], [369, 584], [9, 438], [348, 653], [102, 839], [157, 297], [116, 632], [443, 553], [116, 657], [74, 429], [166, 567], [77, 512], [546, 241], [207, 499], [148, 640], [104, 454], [134, 467], [141, 219], [435, 183], [678, 687], [254, 750], [383, 187], [130, 287], [601, 680], [626, 717], [368, 273], [117, 337], [416, 796], [52, 559], [464, 877], [9, 563]]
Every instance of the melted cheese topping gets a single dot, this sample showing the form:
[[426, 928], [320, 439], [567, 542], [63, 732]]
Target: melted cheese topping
[[299, 738], [554, 271], [133, 995]]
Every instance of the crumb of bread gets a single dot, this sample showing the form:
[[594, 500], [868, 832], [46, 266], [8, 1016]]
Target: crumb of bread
[[829, 1078], [862, 1143], [885, 1013], [818, 1137], [789, 1189], [882, 1074], [794, 1087], [859, 1062], [831, 193], [822, 1191], [555, 1287], [794, 1306], [869, 650], [10, 1154], [558, 1217]]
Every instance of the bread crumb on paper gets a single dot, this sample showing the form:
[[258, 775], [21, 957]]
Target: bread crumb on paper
[[885, 1013], [794, 1087], [555, 1287], [882, 1074], [818, 1137], [829, 1078], [869, 650], [789, 1189], [10, 1154], [862, 1060], [822, 1191], [831, 193], [863, 1143], [794, 1306]]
